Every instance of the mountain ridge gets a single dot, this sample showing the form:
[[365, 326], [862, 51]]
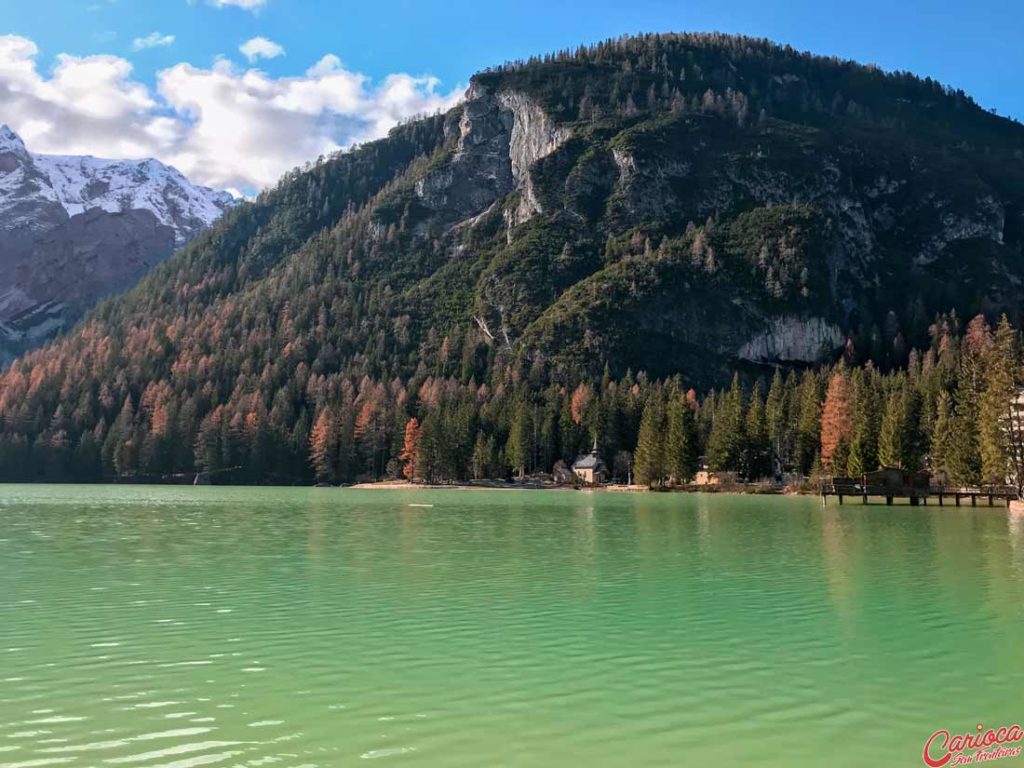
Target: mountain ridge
[[683, 205], [75, 228], [82, 182]]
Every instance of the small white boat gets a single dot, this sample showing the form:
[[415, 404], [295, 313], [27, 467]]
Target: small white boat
[[428, 506]]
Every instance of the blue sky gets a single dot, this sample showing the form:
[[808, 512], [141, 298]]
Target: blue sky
[[977, 46]]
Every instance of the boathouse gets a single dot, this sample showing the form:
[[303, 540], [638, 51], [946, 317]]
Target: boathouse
[[892, 481]]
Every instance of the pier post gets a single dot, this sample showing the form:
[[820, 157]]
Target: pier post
[[840, 499], [957, 499], [974, 499], [888, 501]]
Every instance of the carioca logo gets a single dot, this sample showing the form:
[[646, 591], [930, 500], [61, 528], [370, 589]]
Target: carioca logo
[[945, 749]]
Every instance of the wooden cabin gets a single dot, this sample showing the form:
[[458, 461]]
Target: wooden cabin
[[888, 482], [899, 482]]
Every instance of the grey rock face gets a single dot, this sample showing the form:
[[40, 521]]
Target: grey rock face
[[500, 137], [791, 339], [49, 285], [480, 170], [533, 137]]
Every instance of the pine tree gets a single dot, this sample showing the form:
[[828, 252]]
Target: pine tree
[[866, 423], [915, 438], [998, 424], [680, 440], [649, 460], [121, 437], [777, 420], [893, 429], [757, 461], [963, 451], [431, 439], [483, 456], [942, 438], [726, 441], [808, 423], [519, 447]]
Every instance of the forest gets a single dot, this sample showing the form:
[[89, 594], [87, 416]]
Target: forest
[[946, 410]]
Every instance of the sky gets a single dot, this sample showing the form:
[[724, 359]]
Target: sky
[[236, 92]]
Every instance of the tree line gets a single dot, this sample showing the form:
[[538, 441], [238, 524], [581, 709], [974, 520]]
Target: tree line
[[949, 410]]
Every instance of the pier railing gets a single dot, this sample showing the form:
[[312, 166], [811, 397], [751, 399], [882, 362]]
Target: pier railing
[[842, 487]]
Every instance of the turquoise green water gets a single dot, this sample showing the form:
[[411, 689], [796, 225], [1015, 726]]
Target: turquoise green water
[[181, 627]]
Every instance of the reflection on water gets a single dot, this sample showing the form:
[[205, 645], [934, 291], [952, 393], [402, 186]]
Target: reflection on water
[[180, 627]]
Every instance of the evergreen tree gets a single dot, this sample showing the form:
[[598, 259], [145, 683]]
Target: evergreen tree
[[777, 407], [757, 462], [866, 422], [942, 439], [726, 441], [962, 451], [998, 422], [808, 423], [122, 440], [519, 448], [483, 457], [680, 440], [649, 464], [892, 435], [431, 439], [915, 438]]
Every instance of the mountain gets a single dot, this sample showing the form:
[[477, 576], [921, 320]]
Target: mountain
[[682, 205], [73, 229]]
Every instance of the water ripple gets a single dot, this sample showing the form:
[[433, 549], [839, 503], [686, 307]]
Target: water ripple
[[188, 627]]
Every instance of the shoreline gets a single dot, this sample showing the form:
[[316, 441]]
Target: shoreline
[[733, 490]]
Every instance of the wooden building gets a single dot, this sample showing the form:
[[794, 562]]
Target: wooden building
[[888, 482], [902, 482]]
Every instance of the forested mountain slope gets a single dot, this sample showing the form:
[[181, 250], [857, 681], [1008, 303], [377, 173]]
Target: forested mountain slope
[[676, 204]]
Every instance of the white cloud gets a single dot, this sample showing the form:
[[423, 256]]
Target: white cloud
[[326, 65], [152, 40], [248, 5], [260, 48], [222, 126]]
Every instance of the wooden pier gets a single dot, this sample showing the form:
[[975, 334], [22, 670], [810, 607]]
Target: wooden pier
[[918, 493]]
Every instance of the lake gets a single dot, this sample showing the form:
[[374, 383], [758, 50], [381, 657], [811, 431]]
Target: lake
[[180, 627]]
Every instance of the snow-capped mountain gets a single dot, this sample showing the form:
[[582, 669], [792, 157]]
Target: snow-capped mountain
[[80, 183], [74, 229]]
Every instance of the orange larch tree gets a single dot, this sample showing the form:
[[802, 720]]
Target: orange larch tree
[[410, 455], [836, 422]]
